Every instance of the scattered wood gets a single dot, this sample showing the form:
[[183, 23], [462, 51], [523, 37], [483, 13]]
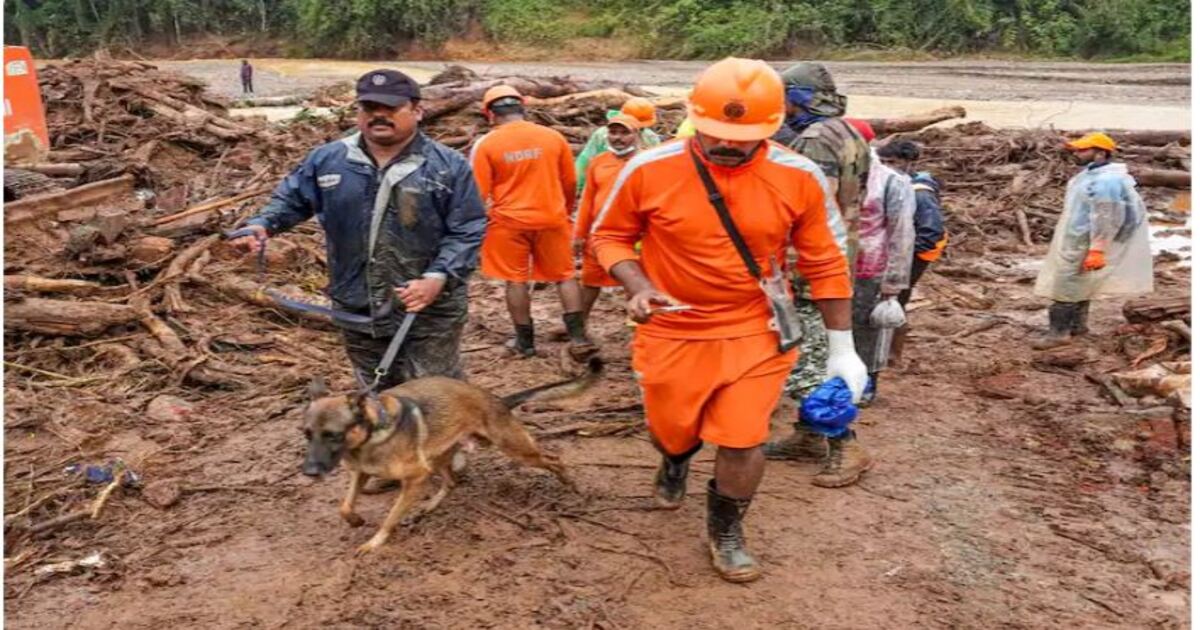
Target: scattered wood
[[66, 318], [1155, 309], [40, 206], [1147, 176], [61, 169], [1120, 397], [213, 205], [885, 126], [35, 284], [1154, 138]]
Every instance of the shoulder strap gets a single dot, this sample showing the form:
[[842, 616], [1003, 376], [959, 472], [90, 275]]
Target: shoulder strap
[[718, 204]]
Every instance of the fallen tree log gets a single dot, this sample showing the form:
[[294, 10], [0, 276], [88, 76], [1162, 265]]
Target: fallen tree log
[[35, 284], [63, 317], [1153, 138], [439, 100], [885, 126], [1146, 176], [40, 206], [1154, 309], [64, 169]]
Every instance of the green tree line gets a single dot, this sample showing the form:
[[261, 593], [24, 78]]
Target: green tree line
[[660, 28]]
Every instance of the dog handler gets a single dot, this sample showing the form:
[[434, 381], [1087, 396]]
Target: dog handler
[[711, 368], [403, 222]]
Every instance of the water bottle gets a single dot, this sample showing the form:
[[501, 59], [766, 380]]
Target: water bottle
[[829, 409]]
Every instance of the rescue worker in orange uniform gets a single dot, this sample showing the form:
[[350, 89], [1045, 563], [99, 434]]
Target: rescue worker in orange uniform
[[710, 367], [526, 178], [623, 143]]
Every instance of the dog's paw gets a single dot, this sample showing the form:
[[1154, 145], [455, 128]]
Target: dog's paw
[[352, 519], [371, 545]]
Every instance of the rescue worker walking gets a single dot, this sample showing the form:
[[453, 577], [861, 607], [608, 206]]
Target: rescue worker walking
[[882, 270], [527, 179], [638, 108], [403, 223], [929, 225], [715, 214], [814, 128], [1101, 245], [623, 143]]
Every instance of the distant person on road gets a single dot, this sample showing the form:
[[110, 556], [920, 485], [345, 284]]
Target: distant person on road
[[624, 141], [1101, 245], [526, 177], [247, 72], [928, 222], [641, 110], [815, 129], [710, 364], [411, 249]]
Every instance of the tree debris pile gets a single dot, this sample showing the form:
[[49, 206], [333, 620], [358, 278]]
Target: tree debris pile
[[1005, 187]]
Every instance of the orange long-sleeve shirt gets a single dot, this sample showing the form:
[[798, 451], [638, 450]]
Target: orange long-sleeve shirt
[[526, 175], [776, 199], [598, 183]]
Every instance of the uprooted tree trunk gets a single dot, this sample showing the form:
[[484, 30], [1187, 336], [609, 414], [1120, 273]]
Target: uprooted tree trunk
[[885, 126], [63, 317]]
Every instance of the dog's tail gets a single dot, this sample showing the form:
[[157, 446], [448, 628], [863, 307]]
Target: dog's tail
[[561, 389]]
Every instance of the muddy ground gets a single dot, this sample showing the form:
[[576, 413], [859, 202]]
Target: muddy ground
[[1147, 84], [1009, 492], [1040, 506]]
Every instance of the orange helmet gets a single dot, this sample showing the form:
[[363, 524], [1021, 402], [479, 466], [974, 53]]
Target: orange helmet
[[498, 92], [1094, 140], [641, 109], [737, 99]]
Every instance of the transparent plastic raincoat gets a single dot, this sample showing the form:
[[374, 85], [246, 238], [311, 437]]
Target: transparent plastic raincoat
[[1102, 211], [885, 252]]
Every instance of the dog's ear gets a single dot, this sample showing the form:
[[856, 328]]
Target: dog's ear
[[317, 388]]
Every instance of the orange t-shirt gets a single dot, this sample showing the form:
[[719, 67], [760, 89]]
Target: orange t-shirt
[[776, 199], [526, 175], [598, 182]]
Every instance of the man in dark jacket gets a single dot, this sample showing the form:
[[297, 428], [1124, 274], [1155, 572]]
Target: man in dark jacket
[[247, 74], [403, 222]]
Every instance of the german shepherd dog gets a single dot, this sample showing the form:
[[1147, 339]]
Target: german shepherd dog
[[411, 431]]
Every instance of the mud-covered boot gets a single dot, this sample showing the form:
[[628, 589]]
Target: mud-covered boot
[[802, 445], [726, 542], [1079, 324], [1062, 316], [670, 482], [580, 346], [846, 463], [870, 391], [522, 344]]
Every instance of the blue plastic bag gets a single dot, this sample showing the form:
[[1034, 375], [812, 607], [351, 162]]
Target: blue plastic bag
[[830, 409]]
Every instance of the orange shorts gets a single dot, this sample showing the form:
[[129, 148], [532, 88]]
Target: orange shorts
[[593, 274], [520, 255], [721, 391]]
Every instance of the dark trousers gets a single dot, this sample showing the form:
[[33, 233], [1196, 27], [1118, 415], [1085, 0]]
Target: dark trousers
[[918, 269], [430, 349], [247, 85]]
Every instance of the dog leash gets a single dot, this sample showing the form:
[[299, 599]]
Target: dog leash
[[393, 349]]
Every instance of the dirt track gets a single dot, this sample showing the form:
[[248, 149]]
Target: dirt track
[[1139, 84], [1039, 509]]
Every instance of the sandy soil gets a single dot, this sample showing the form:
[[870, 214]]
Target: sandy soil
[[1038, 507], [1147, 84]]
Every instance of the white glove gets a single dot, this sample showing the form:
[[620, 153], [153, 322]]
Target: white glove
[[888, 314], [844, 362]]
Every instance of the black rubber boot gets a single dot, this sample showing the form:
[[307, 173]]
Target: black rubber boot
[[1079, 325], [581, 348], [726, 542], [1062, 318], [670, 482], [522, 344]]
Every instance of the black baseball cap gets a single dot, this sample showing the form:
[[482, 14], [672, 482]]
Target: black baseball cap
[[389, 87]]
